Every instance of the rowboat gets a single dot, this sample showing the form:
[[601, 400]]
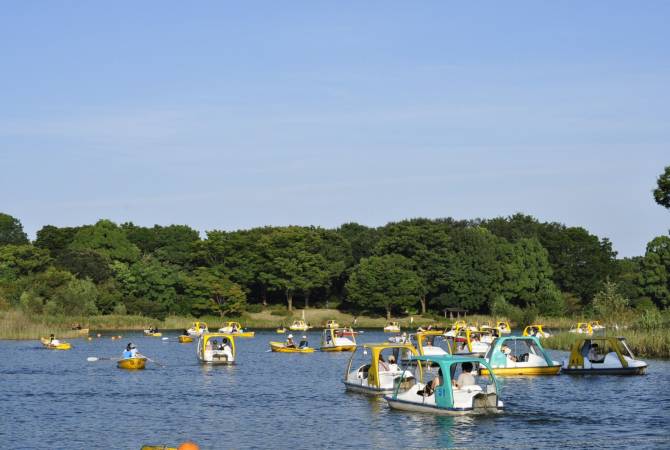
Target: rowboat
[[59, 345], [136, 363], [281, 347]]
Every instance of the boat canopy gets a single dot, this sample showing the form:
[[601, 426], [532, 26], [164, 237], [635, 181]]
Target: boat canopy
[[519, 345], [205, 338], [432, 338]]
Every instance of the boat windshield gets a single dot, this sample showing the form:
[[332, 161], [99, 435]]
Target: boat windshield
[[521, 349]]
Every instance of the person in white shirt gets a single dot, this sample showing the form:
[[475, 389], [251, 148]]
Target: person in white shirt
[[465, 378], [393, 367]]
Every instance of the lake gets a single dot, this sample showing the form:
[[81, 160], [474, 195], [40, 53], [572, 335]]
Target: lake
[[58, 400]]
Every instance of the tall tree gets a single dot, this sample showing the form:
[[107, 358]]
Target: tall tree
[[211, 285], [55, 239], [662, 191], [106, 238], [385, 282], [22, 260], [424, 242], [11, 231], [654, 277]]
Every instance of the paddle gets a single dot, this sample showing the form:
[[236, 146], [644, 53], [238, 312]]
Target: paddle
[[95, 358], [149, 359]]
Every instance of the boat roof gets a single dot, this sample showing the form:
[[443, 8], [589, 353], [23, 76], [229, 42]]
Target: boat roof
[[386, 345], [445, 358]]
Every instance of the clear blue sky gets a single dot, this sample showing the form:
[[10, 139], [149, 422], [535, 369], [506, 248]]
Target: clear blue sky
[[226, 115]]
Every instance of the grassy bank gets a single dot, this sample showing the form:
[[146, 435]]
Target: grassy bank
[[644, 343]]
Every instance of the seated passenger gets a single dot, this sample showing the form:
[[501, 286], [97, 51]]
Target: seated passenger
[[130, 351], [289, 341], [393, 367], [227, 349], [593, 354], [303, 342], [465, 378], [430, 387], [383, 367], [53, 340], [508, 352]]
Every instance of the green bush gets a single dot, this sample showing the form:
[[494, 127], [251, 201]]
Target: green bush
[[281, 313], [255, 308], [120, 309], [650, 319]]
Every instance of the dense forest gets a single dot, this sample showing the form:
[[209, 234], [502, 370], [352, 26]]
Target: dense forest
[[498, 266]]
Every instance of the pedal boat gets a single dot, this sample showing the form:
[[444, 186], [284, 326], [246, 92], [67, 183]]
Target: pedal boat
[[197, 329], [582, 328], [392, 327], [185, 339], [531, 358], [153, 333], [236, 329], [480, 398], [46, 342], [281, 330], [299, 325], [338, 340], [595, 325], [471, 343], [372, 375], [137, 363], [215, 356], [281, 347], [331, 324], [617, 358], [503, 327], [431, 343], [536, 330]]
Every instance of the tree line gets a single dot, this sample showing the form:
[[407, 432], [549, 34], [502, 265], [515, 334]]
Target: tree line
[[412, 266]]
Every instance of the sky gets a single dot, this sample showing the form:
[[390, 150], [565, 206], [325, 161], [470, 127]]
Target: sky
[[229, 115]]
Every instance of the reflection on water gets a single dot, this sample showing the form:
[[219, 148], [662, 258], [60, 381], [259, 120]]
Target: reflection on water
[[58, 400]]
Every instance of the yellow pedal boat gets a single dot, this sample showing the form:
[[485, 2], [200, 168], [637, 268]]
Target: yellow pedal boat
[[281, 330], [280, 347], [132, 363], [185, 339], [153, 333], [46, 342]]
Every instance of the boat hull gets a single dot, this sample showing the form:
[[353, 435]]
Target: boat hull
[[185, 339], [279, 347], [402, 405], [159, 334], [339, 348], [355, 387], [132, 363], [522, 371], [612, 371]]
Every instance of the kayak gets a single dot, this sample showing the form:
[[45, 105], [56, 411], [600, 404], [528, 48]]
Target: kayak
[[132, 363], [153, 334], [185, 339], [60, 346], [280, 347]]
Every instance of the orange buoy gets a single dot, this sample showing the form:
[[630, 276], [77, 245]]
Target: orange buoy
[[188, 446]]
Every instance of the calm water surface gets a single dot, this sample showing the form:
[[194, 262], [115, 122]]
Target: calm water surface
[[58, 400]]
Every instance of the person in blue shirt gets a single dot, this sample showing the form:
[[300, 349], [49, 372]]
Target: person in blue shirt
[[130, 351]]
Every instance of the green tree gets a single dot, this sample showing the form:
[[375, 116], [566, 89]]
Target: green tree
[[55, 239], [174, 243], [662, 191], [85, 264], [106, 238], [210, 289], [78, 297], [426, 243], [22, 260], [654, 276], [609, 303], [385, 282], [11, 231], [361, 240]]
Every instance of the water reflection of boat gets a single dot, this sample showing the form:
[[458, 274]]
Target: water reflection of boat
[[236, 329], [338, 340], [210, 351], [442, 394], [602, 356], [378, 372], [520, 355]]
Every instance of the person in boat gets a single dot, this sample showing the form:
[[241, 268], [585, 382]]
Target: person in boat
[[226, 349], [53, 340], [289, 341], [593, 354], [393, 367], [303, 342], [465, 378], [508, 352], [184, 333], [130, 351], [383, 367], [234, 329], [430, 387]]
